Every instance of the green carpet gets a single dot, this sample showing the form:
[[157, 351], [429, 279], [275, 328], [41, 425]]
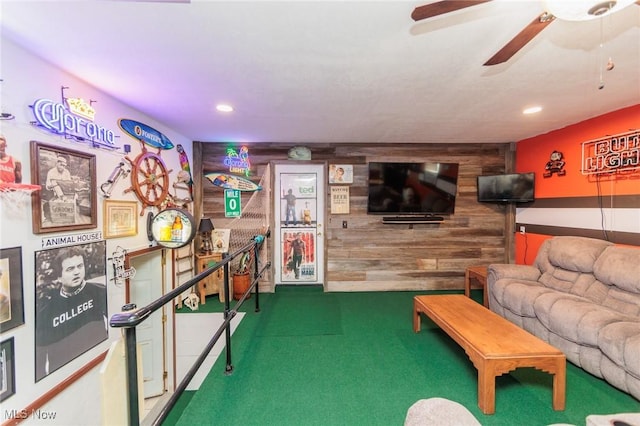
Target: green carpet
[[314, 358], [179, 408], [291, 316]]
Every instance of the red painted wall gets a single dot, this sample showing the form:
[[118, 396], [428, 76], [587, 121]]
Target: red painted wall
[[532, 155]]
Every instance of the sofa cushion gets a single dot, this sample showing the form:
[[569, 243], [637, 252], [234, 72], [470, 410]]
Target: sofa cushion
[[619, 266], [518, 296], [574, 318], [593, 290], [575, 253], [561, 279], [620, 342], [498, 271], [624, 302]]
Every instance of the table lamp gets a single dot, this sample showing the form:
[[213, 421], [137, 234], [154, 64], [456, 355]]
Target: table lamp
[[204, 229]]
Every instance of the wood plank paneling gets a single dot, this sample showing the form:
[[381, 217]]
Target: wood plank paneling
[[371, 256]]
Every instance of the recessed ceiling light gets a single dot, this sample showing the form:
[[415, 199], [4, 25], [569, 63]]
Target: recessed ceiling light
[[532, 110], [224, 108]]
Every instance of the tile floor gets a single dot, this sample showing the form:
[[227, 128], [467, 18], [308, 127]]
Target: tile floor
[[193, 332]]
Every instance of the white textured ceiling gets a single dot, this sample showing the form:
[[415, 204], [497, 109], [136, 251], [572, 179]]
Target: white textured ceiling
[[351, 71]]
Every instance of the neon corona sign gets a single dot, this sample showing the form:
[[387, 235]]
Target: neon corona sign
[[75, 121], [238, 162], [611, 154]]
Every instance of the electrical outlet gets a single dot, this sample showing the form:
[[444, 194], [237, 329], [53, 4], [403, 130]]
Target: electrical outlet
[[522, 230], [344, 224]]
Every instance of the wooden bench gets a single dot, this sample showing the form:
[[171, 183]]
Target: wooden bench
[[494, 345]]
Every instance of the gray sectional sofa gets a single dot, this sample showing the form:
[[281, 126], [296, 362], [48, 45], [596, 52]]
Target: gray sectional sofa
[[582, 296]]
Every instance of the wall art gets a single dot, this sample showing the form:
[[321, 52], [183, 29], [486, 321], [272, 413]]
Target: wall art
[[67, 200], [7, 369], [11, 296], [120, 218], [70, 304]]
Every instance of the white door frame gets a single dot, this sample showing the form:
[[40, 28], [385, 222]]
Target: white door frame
[[159, 375]]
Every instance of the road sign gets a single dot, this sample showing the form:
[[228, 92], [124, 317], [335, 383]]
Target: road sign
[[232, 203]]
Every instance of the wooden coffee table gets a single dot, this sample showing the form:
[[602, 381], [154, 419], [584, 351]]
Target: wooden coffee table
[[494, 345], [479, 274]]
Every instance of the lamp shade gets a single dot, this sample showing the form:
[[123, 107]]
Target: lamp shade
[[205, 225]]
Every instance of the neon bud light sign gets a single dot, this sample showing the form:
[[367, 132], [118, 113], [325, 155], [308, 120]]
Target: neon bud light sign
[[56, 118]]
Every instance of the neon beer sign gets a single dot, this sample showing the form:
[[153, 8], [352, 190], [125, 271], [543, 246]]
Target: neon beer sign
[[611, 154], [238, 162], [75, 119]]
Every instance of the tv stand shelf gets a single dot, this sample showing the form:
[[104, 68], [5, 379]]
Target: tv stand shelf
[[411, 219]]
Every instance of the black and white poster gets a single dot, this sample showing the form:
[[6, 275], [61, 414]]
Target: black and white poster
[[71, 304]]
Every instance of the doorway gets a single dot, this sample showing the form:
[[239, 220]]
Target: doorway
[[299, 212]]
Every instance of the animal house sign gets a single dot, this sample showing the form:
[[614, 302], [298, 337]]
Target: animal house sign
[[611, 154]]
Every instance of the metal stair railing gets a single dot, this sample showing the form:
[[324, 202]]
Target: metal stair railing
[[131, 319]]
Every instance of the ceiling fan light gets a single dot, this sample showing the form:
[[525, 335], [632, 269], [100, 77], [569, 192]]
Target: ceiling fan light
[[584, 10]]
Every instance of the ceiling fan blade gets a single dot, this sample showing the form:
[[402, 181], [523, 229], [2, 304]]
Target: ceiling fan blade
[[442, 7], [520, 40]]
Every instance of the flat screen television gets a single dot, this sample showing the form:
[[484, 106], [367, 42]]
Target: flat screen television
[[507, 188], [412, 188]]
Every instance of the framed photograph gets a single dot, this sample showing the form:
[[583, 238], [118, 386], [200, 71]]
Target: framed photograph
[[7, 369], [70, 304], [120, 218], [11, 297], [67, 200], [220, 240], [340, 173]]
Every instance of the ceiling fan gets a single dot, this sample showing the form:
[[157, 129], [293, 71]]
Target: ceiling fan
[[565, 10]]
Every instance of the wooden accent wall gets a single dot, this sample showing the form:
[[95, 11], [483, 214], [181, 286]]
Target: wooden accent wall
[[370, 255]]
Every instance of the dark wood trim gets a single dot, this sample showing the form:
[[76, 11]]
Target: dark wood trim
[[48, 396], [615, 201], [198, 179], [127, 266], [618, 237], [510, 213]]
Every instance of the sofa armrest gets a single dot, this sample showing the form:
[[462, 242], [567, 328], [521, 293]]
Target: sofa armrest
[[498, 271]]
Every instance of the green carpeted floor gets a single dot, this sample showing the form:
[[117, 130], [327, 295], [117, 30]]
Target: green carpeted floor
[[314, 358]]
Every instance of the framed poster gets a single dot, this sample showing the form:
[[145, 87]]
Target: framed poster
[[220, 239], [120, 218], [340, 173], [70, 304], [298, 255], [298, 201], [7, 369], [11, 296], [340, 199], [67, 200]]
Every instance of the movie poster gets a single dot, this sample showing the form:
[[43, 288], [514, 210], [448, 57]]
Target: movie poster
[[298, 200], [71, 304], [298, 256]]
